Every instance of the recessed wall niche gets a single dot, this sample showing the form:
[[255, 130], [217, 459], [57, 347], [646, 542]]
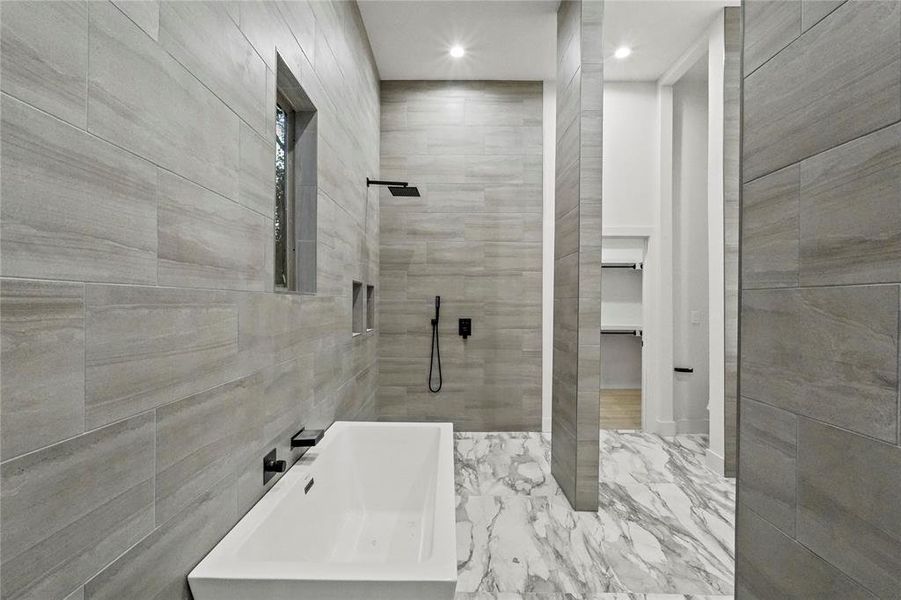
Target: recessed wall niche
[[370, 307], [358, 310]]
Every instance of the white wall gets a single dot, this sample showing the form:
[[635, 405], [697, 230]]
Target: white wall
[[630, 154], [621, 366], [660, 281], [547, 269], [639, 195], [690, 265], [630, 199]]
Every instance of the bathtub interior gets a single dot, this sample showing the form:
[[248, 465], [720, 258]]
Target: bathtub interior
[[372, 502]]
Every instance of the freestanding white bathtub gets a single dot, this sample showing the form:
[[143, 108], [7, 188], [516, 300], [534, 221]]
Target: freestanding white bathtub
[[370, 517]]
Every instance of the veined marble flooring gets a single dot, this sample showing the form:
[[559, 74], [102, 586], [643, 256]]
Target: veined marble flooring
[[664, 530]]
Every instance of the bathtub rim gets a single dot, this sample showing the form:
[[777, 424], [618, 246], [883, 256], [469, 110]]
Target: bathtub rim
[[223, 564]]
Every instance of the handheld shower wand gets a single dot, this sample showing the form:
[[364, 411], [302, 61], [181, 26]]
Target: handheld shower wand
[[436, 348]]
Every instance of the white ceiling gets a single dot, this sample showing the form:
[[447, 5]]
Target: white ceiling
[[516, 39], [513, 40], [658, 31]]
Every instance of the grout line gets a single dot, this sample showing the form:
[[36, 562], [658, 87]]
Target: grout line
[[132, 153], [158, 195], [797, 511], [742, 182], [84, 358], [821, 422], [87, 74], [155, 466], [220, 291], [804, 546], [781, 49], [827, 286]]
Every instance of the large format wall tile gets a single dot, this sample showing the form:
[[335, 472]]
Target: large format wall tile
[[820, 359], [841, 79], [71, 508], [848, 510], [263, 26], [35, 66], [257, 158], [770, 26], [199, 438], [767, 465], [160, 110], [146, 347], [813, 11], [770, 346], [157, 567], [208, 241], [851, 212], [301, 20], [827, 353], [203, 38], [136, 417], [849, 358], [42, 363], [770, 230], [474, 238], [277, 328], [74, 207], [792, 571], [569, 41], [145, 14], [76, 595]]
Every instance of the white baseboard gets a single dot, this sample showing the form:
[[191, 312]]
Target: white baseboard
[[715, 462], [664, 428], [692, 426]]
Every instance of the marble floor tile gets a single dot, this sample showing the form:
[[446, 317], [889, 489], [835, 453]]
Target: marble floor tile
[[664, 531], [612, 596], [504, 463], [637, 457], [667, 538]]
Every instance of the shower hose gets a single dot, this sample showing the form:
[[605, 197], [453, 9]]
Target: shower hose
[[436, 349]]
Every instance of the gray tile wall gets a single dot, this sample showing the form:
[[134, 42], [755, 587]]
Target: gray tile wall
[[577, 252], [147, 364], [474, 149], [820, 452], [731, 208]]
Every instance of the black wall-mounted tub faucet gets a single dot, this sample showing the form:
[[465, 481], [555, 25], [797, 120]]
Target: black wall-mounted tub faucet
[[307, 438]]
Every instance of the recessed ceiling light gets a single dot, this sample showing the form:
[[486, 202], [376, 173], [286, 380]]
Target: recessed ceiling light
[[457, 51], [622, 52]]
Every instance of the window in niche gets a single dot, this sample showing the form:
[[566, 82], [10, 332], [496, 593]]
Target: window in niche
[[295, 217]]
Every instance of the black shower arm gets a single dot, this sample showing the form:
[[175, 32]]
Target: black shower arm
[[370, 182]]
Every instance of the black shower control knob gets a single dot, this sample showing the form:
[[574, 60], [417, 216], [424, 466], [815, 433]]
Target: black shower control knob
[[465, 328]]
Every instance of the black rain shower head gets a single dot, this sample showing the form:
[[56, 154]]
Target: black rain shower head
[[405, 190], [397, 188]]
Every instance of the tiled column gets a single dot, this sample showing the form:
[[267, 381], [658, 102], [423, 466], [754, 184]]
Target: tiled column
[[731, 185], [577, 253]]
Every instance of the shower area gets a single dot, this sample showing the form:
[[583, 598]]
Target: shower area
[[473, 238]]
